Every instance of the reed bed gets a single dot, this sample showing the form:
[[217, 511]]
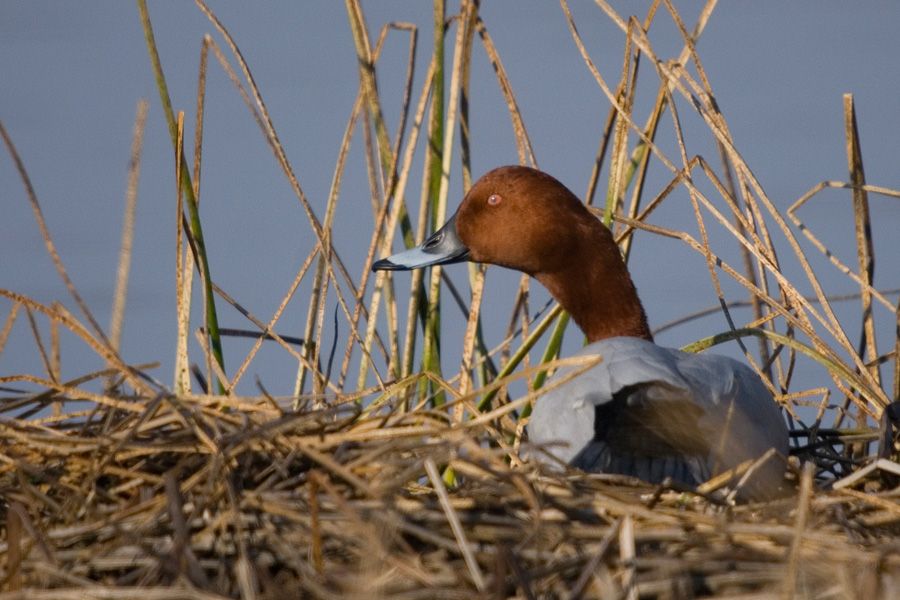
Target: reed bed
[[401, 480], [213, 497]]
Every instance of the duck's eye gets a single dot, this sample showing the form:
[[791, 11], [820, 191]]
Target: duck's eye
[[494, 199]]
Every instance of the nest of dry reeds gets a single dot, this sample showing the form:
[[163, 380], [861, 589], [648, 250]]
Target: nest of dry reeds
[[409, 482], [169, 497]]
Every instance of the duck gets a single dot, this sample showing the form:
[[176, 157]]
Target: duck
[[645, 411]]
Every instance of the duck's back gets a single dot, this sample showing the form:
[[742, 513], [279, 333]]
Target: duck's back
[[654, 412]]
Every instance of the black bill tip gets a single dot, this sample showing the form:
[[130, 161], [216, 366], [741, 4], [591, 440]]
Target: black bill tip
[[385, 264]]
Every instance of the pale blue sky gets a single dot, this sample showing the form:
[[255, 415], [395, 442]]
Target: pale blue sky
[[72, 74]]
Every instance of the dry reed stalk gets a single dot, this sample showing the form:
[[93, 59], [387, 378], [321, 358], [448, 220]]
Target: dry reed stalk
[[392, 208], [195, 228], [523, 141], [388, 159], [469, 338], [134, 170], [821, 247], [806, 487], [316, 311], [74, 326], [8, 324], [721, 136], [267, 329], [863, 230], [397, 367], [455, 525], [492, 509], [260, 113], [48, 240], [184, 261], [442, 137]]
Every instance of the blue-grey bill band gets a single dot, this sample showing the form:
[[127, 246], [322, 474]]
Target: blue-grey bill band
[[442, 248]]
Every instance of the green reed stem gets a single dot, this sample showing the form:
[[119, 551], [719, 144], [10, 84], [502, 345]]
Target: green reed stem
[[212, 321]]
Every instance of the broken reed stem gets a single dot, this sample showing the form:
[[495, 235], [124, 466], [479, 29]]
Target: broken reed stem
[[524, 148], [868, 347], [182, 291]]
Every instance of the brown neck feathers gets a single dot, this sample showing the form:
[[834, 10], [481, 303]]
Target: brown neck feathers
[[596, 289]]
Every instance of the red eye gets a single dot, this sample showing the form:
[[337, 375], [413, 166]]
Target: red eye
[[494, 199]]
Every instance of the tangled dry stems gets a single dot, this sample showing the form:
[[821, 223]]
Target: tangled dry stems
[[231, 497]]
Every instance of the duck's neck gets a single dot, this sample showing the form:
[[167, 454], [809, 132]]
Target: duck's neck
[[596, 289]]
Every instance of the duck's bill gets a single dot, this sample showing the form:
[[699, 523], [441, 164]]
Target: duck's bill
[[442, 248]]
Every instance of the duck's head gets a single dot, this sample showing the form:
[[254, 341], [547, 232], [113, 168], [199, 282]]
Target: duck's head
[[515, 217], [524, 219]]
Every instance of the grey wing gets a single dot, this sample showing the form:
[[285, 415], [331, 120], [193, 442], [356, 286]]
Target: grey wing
[[651, 431], [745, 422], [653, 413], [632, 414]]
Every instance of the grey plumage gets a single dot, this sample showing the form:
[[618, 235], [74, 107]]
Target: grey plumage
[[654, 412]]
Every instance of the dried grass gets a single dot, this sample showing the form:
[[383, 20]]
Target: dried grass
[[183, 497], [414, 487]]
